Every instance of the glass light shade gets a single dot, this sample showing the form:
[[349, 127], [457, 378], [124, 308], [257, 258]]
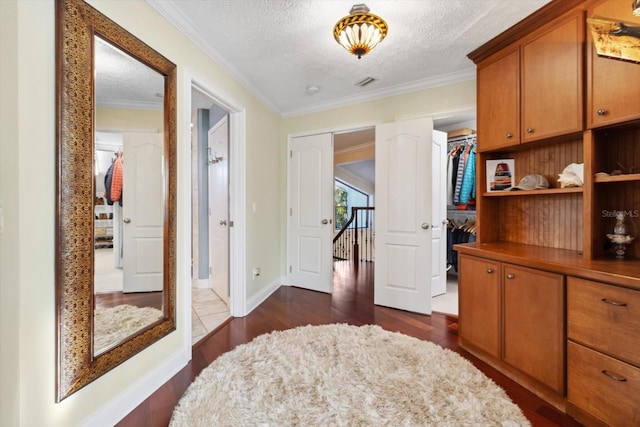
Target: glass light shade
[[360, 31]]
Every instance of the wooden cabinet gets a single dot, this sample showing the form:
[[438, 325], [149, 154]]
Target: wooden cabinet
[[533, 90], [479, 300], [533, 81], [499, 101], [613, 89], [516, 315], [603, 364], [534, 324], [551, 98]]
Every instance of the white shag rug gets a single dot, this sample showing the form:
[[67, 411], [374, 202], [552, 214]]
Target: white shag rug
[[341, 375], [113, 324]]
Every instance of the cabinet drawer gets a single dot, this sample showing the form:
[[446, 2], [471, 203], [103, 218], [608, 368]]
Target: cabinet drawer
[[605, 387], [604, 317]]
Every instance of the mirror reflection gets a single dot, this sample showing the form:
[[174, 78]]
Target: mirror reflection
[[129, 196]]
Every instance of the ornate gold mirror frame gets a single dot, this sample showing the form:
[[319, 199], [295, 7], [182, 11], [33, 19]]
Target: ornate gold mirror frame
[[76, 25]]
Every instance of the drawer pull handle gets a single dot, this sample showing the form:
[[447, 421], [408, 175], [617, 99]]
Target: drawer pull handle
[[613, 377], [510, 276], [489, 270], [616, 303]]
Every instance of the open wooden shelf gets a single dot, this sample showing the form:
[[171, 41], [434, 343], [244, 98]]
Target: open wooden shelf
[[617, 178], [508, 193]]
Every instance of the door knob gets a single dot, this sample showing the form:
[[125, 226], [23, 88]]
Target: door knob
[[223, 222], [325, 221], [126, 220], [425, 225]]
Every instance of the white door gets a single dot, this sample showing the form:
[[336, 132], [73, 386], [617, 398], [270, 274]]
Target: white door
[[439, 213], [311, 212], [219, 209], [402, 277], [143, 195]]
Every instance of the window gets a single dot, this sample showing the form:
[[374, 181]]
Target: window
[[346, 197]]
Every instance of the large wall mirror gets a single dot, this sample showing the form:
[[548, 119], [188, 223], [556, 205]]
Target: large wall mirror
[[116, 195]]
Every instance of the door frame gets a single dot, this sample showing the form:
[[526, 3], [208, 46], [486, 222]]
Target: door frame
[[435, 116], [290, 137], [237, 191]]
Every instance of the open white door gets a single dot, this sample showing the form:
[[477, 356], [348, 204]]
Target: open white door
[[219, 209], [402, 277], [311, 212], [439, 215], [142, 212]]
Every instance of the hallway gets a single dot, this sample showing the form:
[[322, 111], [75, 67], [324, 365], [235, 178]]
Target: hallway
[[351, 302]]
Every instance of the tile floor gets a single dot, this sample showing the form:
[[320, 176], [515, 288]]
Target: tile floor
[[448, 302], [208, 311]]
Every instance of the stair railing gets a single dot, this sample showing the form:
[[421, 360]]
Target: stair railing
[[355, 240]]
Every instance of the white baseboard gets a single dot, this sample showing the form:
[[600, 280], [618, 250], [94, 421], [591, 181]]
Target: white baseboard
[[117, 408], [264, 294]]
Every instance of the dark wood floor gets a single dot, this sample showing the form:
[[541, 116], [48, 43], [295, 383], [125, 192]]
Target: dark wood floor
[[139, 299], [351, 302]]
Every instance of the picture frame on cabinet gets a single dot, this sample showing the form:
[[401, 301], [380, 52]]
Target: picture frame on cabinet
[[615, 39], [500, 174]]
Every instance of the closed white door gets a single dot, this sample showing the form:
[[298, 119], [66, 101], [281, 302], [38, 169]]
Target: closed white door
[[219, 209], [311, 212], [143, 193], [439, 213], [404, 215]]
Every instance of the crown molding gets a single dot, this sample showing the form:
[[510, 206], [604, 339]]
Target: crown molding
[[418, 85], [186, 27], [544, 15]]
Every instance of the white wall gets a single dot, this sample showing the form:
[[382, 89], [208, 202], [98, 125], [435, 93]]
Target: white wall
[[27, 185], [9, 243]]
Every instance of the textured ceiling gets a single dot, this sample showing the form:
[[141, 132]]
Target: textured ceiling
[[278, 48], [124, 82]]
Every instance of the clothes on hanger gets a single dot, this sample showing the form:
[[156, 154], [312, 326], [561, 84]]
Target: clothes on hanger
[[461, 172], [113, 180], [458, 232]]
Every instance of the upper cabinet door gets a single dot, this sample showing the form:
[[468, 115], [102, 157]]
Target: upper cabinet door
[[612, 99], [551, 74], [499, 102]]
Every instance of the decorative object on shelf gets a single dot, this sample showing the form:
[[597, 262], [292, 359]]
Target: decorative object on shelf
[[500, 174], [532, 182], [623, 235], [360, 31], [572, 176], [614, 38]]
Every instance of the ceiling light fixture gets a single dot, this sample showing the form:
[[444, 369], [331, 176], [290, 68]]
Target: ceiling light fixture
[[635, 6], [360, 31]]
